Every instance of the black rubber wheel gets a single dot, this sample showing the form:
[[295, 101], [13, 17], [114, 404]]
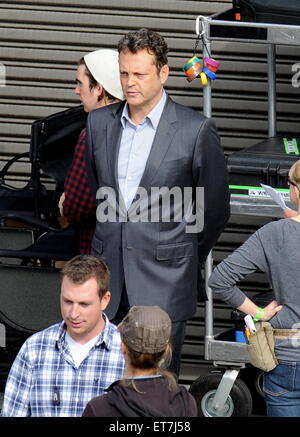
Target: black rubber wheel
[[238, 403], [253, 378], [258, 383]]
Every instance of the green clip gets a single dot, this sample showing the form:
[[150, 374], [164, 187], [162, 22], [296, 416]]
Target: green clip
[[295, 144], [291, 146]]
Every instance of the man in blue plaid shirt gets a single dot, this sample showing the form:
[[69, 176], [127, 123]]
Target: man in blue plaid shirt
[[61, 368]]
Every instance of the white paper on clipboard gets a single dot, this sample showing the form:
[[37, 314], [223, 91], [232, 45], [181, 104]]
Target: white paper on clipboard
[[275, 195]]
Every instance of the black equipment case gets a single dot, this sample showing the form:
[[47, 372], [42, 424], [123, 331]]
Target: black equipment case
[[285, 12], [267, 162], [270, 11]]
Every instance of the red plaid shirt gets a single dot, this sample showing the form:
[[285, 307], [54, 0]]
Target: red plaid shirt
[[79, 206]]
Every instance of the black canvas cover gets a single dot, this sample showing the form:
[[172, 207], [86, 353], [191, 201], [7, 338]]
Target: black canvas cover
[[53, 140], [52, 144]]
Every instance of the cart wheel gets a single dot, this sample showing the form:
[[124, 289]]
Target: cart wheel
[[258, 383], [253, 378], [238, 403]]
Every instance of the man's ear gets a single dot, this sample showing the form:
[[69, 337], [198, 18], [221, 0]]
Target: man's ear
[[99, 90], [164, 73], [105, 300], [123, 348]]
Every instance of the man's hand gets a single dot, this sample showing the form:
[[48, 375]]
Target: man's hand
[[61, 204], [270, 310]]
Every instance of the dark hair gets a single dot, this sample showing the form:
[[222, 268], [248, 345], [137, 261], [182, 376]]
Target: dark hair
[[146, 39], [93, 82], [84, 267]]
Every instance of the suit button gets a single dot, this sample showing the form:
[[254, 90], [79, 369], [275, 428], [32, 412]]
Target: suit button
[[129, 247]]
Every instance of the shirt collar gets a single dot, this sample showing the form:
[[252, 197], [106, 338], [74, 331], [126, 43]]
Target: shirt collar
[[104, 337], [153, 117]]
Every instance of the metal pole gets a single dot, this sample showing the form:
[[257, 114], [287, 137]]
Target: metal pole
[[209, 261], [272, 90], [209, 302], [207, 88]]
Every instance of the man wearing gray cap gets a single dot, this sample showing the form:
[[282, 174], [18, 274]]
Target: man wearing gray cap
[[97, 85], [147, 390]]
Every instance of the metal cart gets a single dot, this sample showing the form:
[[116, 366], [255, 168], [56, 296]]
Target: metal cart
[[223, 394]]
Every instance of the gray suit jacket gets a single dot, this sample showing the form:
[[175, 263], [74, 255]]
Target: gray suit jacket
[[160, 262]]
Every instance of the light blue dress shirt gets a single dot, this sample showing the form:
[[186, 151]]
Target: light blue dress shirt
[[135, 147]]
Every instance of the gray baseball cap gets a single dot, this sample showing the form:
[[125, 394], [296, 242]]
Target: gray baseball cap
[[146, 329]]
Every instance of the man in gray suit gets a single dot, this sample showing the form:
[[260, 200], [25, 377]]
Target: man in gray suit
[[149, 158]]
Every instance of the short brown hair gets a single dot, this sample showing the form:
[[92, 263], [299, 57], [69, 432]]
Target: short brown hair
[[92, 80], [146, 39], [81, 268]]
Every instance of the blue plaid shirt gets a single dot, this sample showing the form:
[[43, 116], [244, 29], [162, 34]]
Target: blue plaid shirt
[[44, 381]]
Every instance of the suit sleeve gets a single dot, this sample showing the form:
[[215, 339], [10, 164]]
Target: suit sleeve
[[210, 172]]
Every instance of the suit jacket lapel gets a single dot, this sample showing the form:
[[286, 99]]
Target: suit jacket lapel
[[113, 140]]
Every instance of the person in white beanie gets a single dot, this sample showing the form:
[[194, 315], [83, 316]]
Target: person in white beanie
[[97, 85]]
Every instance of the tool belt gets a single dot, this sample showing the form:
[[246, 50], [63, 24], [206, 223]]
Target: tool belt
[[287, 333], [261, 344]]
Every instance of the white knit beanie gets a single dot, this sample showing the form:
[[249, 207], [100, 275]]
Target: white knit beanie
[[104, 67]]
